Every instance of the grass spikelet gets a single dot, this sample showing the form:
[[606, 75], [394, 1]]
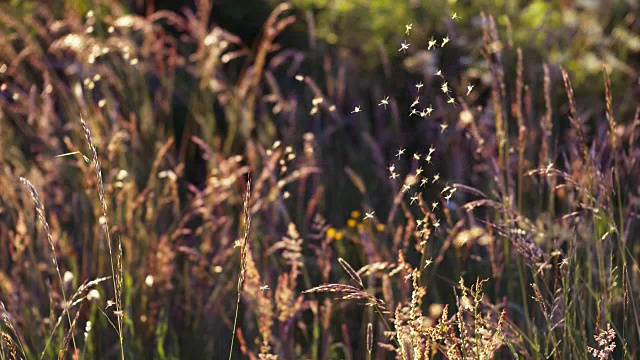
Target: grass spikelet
[[352, 273]]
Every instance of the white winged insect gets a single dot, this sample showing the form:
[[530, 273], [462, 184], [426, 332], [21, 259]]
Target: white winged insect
[[404, 46], [432, 43], [445, 40], [384, 102], [408, 28], [469, 88]]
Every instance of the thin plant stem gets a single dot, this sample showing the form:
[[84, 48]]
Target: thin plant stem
[[244, 248]]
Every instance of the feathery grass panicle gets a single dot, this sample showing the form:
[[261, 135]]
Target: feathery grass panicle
[[348, 292], [252, 283], [13, 339], [45, 224], [244, 249], [116, 269], [606, 343], [287, 301]]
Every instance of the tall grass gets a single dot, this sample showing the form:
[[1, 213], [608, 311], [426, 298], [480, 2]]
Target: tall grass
[[486, 216]]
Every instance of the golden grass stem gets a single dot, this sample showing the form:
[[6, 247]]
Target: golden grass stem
[[244, 248]]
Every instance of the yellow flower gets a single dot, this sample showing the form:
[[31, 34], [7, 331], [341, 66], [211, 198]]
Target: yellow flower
[[351, 223], [355, 214], [331, 232], [380, 227], [360, 227], [338, 235]]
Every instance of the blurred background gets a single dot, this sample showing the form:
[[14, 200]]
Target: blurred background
[[311, 100]]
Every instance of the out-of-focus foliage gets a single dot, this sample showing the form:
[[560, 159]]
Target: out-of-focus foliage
[[578, 35]]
